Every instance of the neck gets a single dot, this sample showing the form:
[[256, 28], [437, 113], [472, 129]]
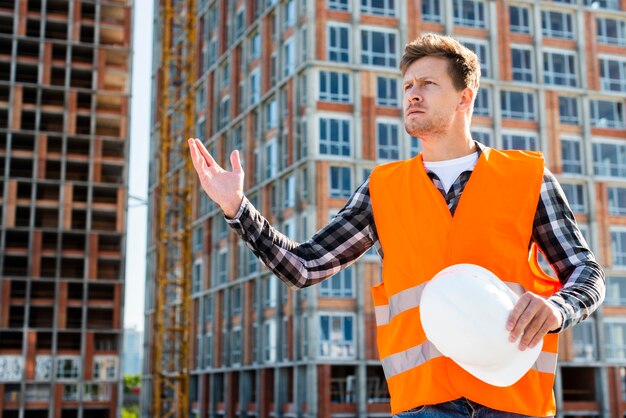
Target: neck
[[447, 150]]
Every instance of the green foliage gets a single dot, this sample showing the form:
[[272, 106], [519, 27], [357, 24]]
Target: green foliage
[[131, 381], [131, 411]]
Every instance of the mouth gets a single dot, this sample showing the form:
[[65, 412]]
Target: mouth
[[414, 112]]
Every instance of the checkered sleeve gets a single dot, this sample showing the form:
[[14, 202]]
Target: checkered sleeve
[[337, 245], [556, 233]]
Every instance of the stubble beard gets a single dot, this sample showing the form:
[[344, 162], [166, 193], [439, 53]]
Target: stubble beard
[[432, 126]]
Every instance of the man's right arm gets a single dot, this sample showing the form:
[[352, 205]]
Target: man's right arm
[[334, 247]]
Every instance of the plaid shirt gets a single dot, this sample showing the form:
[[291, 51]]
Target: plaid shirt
[[353, 231]]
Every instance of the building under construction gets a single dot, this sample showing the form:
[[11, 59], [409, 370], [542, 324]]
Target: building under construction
[[64, 125], [309, 92]]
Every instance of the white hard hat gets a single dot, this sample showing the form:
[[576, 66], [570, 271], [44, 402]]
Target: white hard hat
[[464, 310]]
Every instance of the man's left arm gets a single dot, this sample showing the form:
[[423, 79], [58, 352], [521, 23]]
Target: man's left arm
[[556, 233]]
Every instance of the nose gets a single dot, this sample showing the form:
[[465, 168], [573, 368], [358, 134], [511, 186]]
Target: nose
[[413, 95]]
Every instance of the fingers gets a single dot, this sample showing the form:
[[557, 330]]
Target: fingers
[[517, 320], [199, 163], [235, 162], [210, 162], [532, 317]]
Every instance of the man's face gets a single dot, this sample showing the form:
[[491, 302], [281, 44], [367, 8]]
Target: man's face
[[429, 98]]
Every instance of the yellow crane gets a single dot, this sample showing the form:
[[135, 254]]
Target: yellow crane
[[170, 342]]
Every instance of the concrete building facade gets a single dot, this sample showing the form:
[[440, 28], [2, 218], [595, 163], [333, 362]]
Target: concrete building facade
[[309, 92], [64, 130]]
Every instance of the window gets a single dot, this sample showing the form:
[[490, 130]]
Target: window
[[609, 159], [337, 336], [378, 7], [431, 11], [240, 22], [224, 112], [378, 48], [387, 92], [70, 392], [340, 181], [388, 141], [222, 266], [615, 291], [236, 300], [519, 141], [575, 195], [470, 13], [212, 55], [340, 285], [615, 339], [270, 292], [603, 4], [255, 87], [618, 247], [255, 46], [271, 159], [482, 103], [517, 105], [196, 276], [68, 367], [568, 110], [338, 43], [607, 114], [571, 156], [208, 350], [269, 341], [415, 148], [611, 31], [236, 346], [225, 74], [522, 64], [11, 368], [341, 5], [482, 136], [520, 19], [96, 392], [335, 87], [334, 136], [43, 367], [208, 309], [480, 49], [105, 367], [289, 190], [617, 201], [37, 393], [289, 57], [289, 14], [559, 69], [271, 114], [584, 341], [557, 24], [613, 74]]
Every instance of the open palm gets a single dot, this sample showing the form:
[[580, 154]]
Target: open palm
[[224, 187]]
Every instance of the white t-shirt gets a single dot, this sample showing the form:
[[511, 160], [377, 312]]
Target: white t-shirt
[[449, 170]]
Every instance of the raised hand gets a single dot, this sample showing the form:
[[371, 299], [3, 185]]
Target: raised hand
[[223, 187]]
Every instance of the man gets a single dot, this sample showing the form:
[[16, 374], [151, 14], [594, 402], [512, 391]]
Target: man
[[512, 206]]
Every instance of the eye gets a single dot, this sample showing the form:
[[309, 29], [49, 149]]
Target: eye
[[407, 86]]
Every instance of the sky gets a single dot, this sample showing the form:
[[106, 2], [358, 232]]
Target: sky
[[138, 174]]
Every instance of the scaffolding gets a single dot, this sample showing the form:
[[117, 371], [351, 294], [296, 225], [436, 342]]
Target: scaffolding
[[170, 361]]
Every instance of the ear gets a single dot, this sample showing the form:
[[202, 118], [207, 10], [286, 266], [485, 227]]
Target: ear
[[466, 100]]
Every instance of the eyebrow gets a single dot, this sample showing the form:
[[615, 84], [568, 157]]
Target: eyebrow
[[418, 79]]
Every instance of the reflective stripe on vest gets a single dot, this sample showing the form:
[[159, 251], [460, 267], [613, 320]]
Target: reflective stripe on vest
[[416, 356], [410, 298]]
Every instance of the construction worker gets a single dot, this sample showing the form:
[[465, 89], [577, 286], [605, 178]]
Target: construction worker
[[423, 215]]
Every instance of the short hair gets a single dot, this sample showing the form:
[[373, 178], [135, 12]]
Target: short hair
[[463, 64]]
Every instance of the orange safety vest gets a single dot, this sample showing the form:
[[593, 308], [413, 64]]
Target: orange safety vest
[[492, 227]]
